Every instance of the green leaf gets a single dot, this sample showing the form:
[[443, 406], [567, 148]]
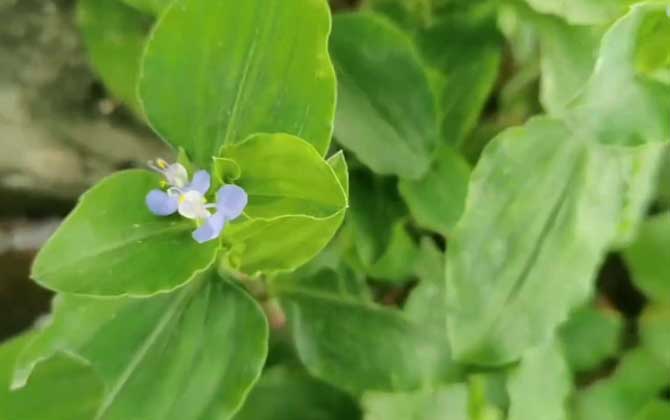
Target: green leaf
[[152, 7], [62, 387], [111, 244], [507, 293], [296, 202], [198, 349], [375, 208], [397, 263], [358, 347], [656, 410], [638, 113], [591, 336], [284, 393], [646, 258], [654, 331], [582, 12], [466, 49], [261, 66], [637, 381], [444, 403], [437, 200], [114, 35], [540, 385], [386, 111]]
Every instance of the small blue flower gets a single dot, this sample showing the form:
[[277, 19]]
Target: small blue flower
[[188, 199], [230, 203]]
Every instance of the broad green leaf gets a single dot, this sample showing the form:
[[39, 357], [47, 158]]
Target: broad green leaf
[[198, 350], [540, 385], [339, 165], [426, 304], [582, 12], [62, 387], [375, 208], [637, 381], [638, 113], [656, 410], [437, 200], [285, 393], [296, 202], [215, 73], [466, 49], [591, 336], [152, 7], [359, 346], [285, 175], [655, 332], [114, 35], [448, 402], [386, 111], [9, 352], [646, 258], [112, 245], [397, 263], [507, 293]]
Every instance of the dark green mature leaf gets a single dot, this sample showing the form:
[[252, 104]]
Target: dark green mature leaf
[[62, 387], [297, 201], [437, 200], [654, 331], [583, 12], [214, 73], [386, 111], [283, 393], [359, 347], [636, 382], [540, 385], [507, 293], [112, 245], [656, 410], [114, 34], [647, 255], [466, 49], [198, 349], [639, 112], [448, 402], [590, 336]]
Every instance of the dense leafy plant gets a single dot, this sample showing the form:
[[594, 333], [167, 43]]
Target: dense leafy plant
[[166, 279]]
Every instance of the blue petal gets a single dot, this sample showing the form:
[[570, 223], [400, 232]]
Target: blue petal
[[211, 229], [161, 203], [201, 182], [231, 201]]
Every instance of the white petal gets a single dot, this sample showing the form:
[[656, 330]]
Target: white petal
[[192, 206], [176, 175]]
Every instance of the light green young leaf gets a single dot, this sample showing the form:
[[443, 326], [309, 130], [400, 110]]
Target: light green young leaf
[[111, 244], [540, 385], [437, 200], [647, 255], [386, 111], [198, 350], [398, 261], [114, 35], [261, 66], [296, 202], [654, 331], [582, 12], [448, 402], [590, 336], [507, 293], [62, 387], [638, 113], [285, 393], [358, 346], [655, 410], [636, 382]]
